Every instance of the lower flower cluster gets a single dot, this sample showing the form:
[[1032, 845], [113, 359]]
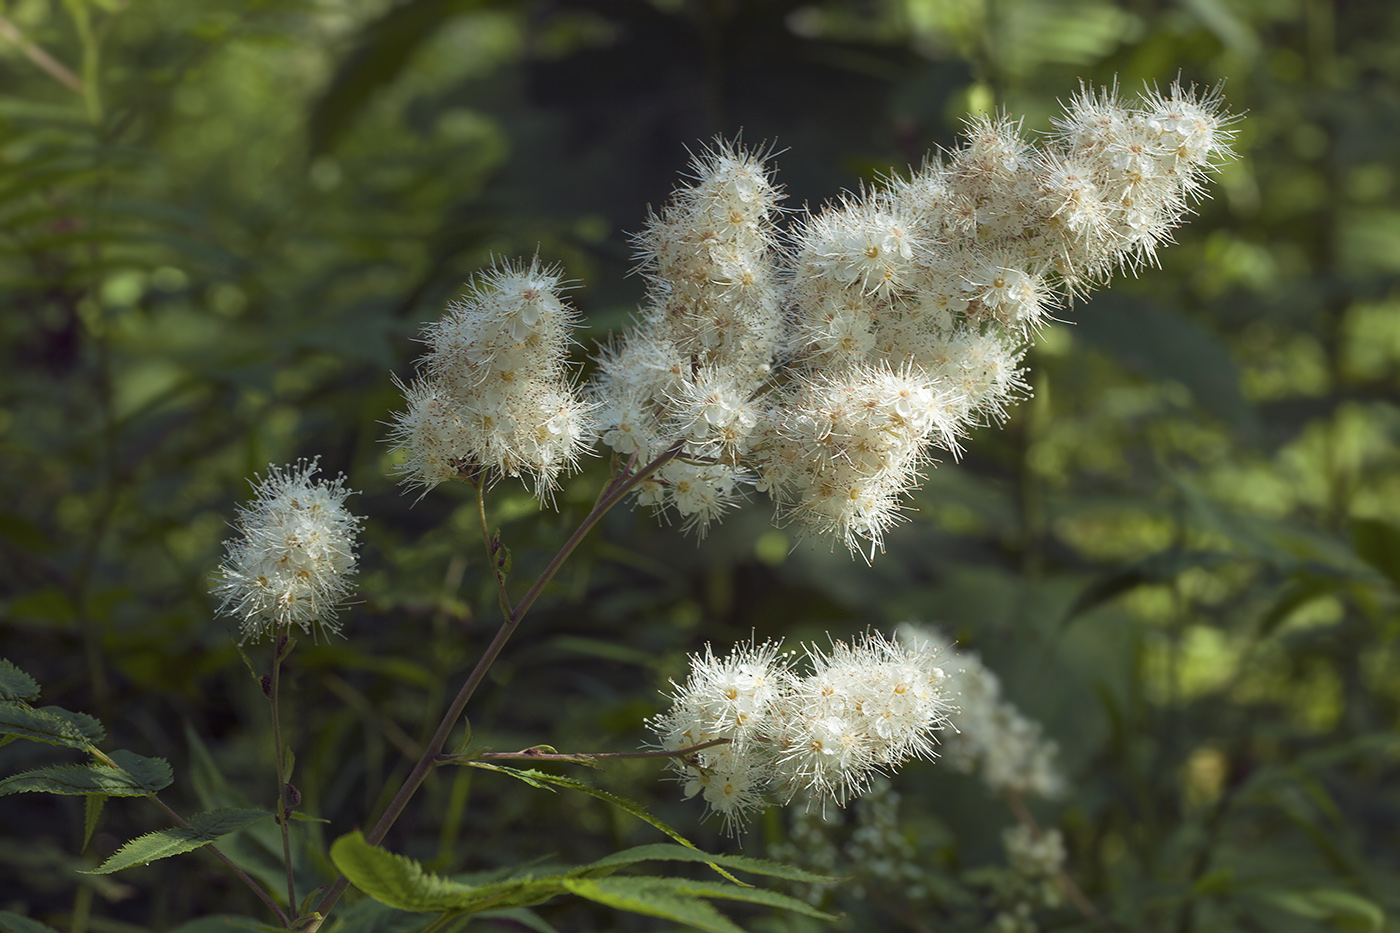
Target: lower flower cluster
[[771, 732]]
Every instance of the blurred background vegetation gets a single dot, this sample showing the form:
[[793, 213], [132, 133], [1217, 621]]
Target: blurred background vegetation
[[224, 221]]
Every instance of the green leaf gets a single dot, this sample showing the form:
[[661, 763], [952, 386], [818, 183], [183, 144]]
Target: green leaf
[[299, 817], [540, 779], [654, 898], [204, 828], [665, 852], [137, 777], [383, 50], [92, 811], [15, 684], [1162, 567], [1159, 342], [11, 922], [1378, 544], [1300, 594], [403, 883], [1342, 910], [153, 773], [746, 893], [50, 724]]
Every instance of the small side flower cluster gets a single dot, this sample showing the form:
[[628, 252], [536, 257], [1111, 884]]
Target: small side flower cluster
[[860, 709], [494, 391], [688, 373], [990, 735], [294, 556]]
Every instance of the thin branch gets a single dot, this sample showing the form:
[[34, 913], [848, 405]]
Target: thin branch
[[46, 62], [534, 754]]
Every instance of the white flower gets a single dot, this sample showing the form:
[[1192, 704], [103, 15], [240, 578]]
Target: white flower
[[294, 556]]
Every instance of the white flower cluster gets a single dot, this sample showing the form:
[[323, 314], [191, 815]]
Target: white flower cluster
[[860, 709], [991, 736], [495, 391], [894, 320], [824, 365], [294, 556]]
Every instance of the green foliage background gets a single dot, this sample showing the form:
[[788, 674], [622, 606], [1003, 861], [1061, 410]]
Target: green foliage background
[[224, 221]]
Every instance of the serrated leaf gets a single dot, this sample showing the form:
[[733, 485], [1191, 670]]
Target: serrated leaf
[[11, 922], [1378, 544], [204, 828], [81, 780], [15, 684], [665, 852], [50, 724], [646, 896], [401, 882], [92, 812]]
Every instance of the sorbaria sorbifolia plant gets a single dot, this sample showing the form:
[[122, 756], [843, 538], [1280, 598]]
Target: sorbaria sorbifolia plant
[[824, 361]]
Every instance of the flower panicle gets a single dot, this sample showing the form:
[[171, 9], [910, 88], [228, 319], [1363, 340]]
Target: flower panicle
[[767, 356], [858, 710]]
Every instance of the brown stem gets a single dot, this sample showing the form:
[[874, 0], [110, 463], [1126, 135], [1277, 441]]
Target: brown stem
[[280, 647], [617, 488]]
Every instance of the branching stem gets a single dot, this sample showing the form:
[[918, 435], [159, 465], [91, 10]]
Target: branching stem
[[613, 493]]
